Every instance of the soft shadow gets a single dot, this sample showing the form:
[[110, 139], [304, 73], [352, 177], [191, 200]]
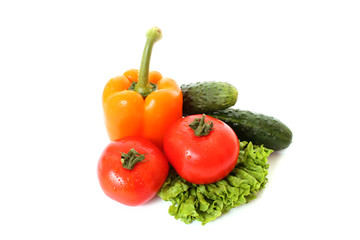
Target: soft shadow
[[274, 160], [155, 200]]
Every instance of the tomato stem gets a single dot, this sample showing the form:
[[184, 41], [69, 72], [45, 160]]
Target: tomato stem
[[200, 127], [143, 86], [131, 158]]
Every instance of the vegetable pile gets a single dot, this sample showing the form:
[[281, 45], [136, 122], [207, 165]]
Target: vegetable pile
[[182, 143]]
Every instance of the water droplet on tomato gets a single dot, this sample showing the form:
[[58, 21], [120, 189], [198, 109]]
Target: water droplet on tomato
[[188, 155]]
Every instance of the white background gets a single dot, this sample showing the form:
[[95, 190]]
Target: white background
[[295, 60]]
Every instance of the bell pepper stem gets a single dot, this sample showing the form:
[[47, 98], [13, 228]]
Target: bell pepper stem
[[143, 85]]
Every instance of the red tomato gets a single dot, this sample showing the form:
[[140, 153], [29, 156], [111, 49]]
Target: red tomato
[[135, 186], [203, 159]]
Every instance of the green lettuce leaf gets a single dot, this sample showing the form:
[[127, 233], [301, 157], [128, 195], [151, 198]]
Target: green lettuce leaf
[[207, 202]]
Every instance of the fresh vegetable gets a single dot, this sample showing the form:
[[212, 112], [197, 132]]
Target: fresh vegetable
[[202, 149], [205, 203], [205, 97], [131, 170], [257, 128], [140, 103]]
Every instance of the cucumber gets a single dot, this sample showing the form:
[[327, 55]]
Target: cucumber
[[257, 128], [205, 97]]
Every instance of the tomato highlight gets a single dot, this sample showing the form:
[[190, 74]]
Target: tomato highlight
[[132, 170], [201, 149]]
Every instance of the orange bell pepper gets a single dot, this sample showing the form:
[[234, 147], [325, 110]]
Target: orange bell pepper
[[142, 103]]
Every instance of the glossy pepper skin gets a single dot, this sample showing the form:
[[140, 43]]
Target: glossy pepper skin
[[149, 107], [127, 113]]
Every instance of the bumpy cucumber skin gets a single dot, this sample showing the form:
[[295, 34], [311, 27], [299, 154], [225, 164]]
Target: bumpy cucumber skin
[[205, 97], [257, 128]]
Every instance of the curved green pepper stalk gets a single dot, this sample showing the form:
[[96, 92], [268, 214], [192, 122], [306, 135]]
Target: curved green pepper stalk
[[143, 86]]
